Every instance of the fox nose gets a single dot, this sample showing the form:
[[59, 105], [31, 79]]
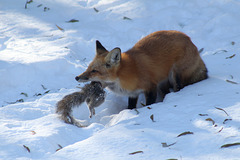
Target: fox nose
[[77, 78]]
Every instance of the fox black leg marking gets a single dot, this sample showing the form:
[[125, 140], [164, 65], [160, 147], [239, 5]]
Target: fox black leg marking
[[151, 96], [132, 102], [178, 84], [163, 89], [175, 80]]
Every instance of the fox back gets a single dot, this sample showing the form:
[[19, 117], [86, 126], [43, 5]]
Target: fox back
[[163, 58]]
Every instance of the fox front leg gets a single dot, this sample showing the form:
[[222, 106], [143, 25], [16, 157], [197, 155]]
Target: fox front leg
[[132, 102], [151, 96]]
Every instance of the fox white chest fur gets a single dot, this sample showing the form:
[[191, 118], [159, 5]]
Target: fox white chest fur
[[116, 88]]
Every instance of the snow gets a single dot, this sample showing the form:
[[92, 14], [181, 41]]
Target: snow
[[38, 63]]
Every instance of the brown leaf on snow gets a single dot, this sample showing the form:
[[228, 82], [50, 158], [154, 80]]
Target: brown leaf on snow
[[135, 152], [226, 120], [231, 56], [72, 21], [220, 130], [61, 29], [231, 82], [200, 50], [185, 133], [168, 145], [152, 118], [126, 18], [137, 111], [211, 120], [222, 110], [220, 51], [96, 10], [230, 145], [60, 147], [26, 148]]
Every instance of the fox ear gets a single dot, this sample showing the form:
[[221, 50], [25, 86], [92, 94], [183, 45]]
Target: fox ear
[[115, 56], [99, 48]]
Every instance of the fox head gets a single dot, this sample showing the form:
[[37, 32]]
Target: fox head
[[104, 66]]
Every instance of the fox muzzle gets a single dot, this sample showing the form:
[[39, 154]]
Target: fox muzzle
[[81, 78]]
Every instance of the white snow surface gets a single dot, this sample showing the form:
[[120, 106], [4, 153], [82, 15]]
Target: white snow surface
[[38, 63]]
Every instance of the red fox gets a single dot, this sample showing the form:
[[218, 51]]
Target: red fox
[[92, 93], [156, 63]]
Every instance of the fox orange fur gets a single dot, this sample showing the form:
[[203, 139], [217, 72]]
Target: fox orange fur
[[156, 63]]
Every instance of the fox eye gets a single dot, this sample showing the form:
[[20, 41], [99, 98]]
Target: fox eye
[[108, 65], [94, 71]]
